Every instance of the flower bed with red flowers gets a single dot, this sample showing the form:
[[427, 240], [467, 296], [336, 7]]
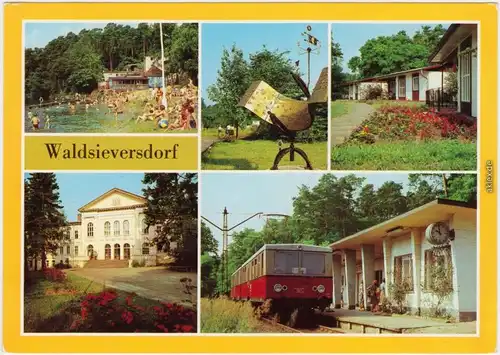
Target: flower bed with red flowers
[[107, 312], [397, 122], [55, 275]]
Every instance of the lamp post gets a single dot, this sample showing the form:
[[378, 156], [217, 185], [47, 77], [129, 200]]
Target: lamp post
[[225, 242]]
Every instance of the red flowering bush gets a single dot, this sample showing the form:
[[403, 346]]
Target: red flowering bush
[[107, 312], [55, 275], [393, 122]]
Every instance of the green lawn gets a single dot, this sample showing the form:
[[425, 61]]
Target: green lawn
[[259, 155], [406, 155], [45, 312], [379, 103], [341, 107], [214, 133]]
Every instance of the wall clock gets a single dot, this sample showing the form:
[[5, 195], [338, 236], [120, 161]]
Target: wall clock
[[438, 233]]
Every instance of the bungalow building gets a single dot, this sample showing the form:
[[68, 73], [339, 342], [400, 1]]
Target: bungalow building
[[406, 249], [408, 85], [458, 48]]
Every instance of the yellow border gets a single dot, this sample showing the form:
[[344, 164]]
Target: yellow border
[[486, 14]]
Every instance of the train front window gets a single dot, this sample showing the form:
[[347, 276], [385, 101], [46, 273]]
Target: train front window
[[285, 262], [313, 263]]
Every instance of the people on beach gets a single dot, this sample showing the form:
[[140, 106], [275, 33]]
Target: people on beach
[[35, 121]]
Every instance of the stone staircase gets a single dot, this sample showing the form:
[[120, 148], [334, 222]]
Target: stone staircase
[[106, 264]]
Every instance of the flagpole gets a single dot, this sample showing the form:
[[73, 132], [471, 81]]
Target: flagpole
[[164, 98]]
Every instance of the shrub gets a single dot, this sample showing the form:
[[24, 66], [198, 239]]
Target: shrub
[[55, 275], [103, 312], [399, 122], [221, 315]]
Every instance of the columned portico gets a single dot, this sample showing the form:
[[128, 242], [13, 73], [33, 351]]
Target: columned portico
[[387, 250], [337, 280], [367, 268], [350, 277], [416, 247]]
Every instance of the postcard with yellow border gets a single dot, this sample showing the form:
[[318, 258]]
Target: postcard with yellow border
[[120, 237]]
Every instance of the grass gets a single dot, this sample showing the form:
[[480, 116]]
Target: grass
[[341, 107], [379, 103], [213, 133], [406, 155], [221, 315], [259, 155], [55, 313]]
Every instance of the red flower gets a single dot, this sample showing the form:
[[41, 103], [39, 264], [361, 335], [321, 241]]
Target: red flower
[[187, 328], [127, 317]]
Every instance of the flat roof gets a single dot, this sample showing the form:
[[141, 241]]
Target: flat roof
[[453, 36], [387, 76], [426, 214], [302, 247]]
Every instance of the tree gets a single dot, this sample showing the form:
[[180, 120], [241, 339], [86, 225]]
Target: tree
[[86, 69], [390, 200], [398, 52], [338, 75], [209, 244], [183, 53], [173, 206], [232, 81], [44, 220]]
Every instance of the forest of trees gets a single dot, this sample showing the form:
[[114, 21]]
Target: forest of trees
[[235, 76], [75, 62], [385, 55], [333, 209]]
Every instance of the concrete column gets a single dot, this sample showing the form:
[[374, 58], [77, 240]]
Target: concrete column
[[368, 269], [350, 277], [337, 279], [388, 272], [416, 251], [112, 257]]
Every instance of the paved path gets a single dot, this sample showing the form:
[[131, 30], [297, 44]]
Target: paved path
[[149, 282], [343, 126], [207, 143]]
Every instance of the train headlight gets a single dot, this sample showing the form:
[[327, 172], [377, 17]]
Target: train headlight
[[284, 287], [278, 288], [321, 288]]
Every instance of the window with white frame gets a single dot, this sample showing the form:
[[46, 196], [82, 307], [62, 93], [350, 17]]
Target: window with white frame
[[465, 76], [126, 228], [76, 234], [403, 271], [116, 228], [144, 226], [415, 83], [107, 229], [68, 250], [76, 250], [438, 268], [90, 229]]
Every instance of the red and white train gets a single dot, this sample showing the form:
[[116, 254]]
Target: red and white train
[[288, 276]]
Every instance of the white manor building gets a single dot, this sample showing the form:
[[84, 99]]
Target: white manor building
[[110, 227]]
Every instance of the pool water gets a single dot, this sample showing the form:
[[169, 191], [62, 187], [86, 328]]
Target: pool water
[[96, 120]]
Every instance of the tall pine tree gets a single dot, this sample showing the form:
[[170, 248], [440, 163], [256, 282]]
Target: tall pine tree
[[173, 207], [44, 220]]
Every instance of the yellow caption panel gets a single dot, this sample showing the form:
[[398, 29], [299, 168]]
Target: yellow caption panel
[[110, 153]]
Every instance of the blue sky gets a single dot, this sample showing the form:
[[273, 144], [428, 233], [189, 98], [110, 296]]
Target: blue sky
[[251, 37], [38, 34], [352, 36], [76, 190], [246, 194]]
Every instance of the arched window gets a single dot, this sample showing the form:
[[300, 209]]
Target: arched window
[[126, 228], [76, 234], [126, 251], [107, 229], [116, 228], [145, 249], [107, 251], [144, 227], [90, 230], [90, 250], [117, 251]]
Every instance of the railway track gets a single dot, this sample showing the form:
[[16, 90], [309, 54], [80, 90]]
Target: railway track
[[318, 329]]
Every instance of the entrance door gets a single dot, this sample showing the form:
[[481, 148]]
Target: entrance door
[[392, 89], [107, 251], [126, 251], [415, 92], [117, 251], [465, 69]]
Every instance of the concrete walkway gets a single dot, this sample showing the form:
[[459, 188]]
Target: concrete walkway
[[399, 323], [207, 143], [343, 126]]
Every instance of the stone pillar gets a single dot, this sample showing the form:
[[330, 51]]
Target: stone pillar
[[112, 253], [368, 269], [416, 252], [350, 277], [337, 279], [388, 272]]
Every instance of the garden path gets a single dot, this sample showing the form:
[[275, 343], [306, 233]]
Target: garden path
[[343, 126]]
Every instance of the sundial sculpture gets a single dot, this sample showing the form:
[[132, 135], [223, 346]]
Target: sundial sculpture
[[287, 114]]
